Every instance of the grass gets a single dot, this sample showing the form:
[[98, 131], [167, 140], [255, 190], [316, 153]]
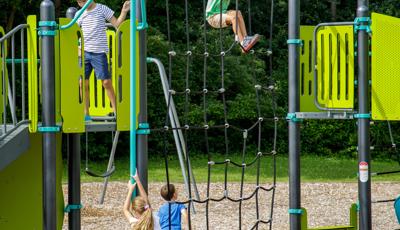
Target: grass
[[313, 169]]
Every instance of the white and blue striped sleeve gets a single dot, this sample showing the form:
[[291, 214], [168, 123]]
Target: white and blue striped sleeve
[[107, 12]]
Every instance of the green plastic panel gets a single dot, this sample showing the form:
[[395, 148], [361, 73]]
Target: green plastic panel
[[307, 71], [385, 67], [335, 65], [21, 189], [32, 73], [99, 103], [71, 72], [122, 76], [335, 68], [353, 221]]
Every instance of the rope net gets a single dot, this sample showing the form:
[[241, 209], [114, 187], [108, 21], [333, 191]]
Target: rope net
[[247, 204]]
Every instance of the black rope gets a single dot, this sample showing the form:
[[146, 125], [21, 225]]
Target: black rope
[[256, 161]]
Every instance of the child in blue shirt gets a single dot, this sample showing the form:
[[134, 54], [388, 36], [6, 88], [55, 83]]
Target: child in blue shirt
[[171, 210]]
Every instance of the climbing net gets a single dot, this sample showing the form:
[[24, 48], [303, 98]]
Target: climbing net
[[251, 131]]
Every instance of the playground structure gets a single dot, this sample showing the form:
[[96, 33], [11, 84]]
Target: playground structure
[[323, 94]]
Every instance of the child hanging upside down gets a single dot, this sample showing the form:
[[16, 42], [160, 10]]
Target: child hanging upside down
[[230, 17]]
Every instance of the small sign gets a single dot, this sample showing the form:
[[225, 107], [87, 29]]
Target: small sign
[[363, 171]]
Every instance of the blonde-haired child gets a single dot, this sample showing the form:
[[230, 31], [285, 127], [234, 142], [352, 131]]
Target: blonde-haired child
[[138, 212]]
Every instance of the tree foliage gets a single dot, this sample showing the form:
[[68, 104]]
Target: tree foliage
[[318, 137]]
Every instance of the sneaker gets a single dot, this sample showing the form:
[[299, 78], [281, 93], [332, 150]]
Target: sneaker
[[249, 42], [88, 118]]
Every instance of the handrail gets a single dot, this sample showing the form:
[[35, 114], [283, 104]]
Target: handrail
[[12, 32], [143, 25], [77, 16], [315, 64]]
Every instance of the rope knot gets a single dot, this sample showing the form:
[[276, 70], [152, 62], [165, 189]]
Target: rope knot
[[205, 91], [259, 154], [222, 53], [226, 125], [260, 118], [206, 54], [269, 52], [245, 134], [171, 91], [258, 87], [187, 91], [166, 128], [206, 127], [186, 127], [211, 163], [221, 90], [172, 53], [189, 53], [276, 118]]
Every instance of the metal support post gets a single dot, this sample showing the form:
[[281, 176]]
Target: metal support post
[[364, 158], [74, 180], [294, 105], [46, 31], [142, 147]]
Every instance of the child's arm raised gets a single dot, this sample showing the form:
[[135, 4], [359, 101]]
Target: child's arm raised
[[127, 203], [125, 8], [142, 191]]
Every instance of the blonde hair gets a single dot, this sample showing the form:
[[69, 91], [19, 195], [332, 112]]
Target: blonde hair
[[141, 207]]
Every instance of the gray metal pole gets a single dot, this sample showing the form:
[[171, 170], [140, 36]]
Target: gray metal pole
[[47, 14], [364, 157], [74, 167], [142, 145], [294, 102], [74, 180]]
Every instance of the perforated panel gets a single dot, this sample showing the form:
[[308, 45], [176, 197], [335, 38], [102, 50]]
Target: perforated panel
[[385, 67], [71, 72], [122, 73], [307, 71], [335, 65]]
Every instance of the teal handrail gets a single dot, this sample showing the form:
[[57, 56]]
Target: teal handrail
[[132, 129], [143, 25], [77, 16]]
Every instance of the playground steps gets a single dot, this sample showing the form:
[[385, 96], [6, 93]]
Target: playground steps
[[13, 145]]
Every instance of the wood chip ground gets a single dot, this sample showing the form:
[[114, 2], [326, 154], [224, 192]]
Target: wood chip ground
[[326, 203]]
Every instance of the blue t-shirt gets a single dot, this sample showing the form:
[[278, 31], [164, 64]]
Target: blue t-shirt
[[176, 210]]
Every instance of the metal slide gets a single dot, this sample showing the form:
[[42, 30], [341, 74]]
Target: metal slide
[[178, 135]]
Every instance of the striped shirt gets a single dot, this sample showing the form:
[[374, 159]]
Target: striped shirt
[[93, 25]]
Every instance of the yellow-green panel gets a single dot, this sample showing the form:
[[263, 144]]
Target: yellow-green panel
[[57, 77], [122, 74], [32, 73], [335, 66], [21, 188], [385, 67], [99, 102], [1, 81], [71, 72], [306, 81]]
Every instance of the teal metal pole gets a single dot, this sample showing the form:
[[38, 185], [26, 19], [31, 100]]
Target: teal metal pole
[[78, 14], [133, 90]]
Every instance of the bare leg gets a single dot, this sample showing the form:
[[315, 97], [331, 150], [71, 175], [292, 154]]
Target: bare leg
[[231, 19], [107, 84], [86, 99]]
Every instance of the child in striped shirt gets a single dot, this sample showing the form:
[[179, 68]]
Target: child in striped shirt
[[93, 25]]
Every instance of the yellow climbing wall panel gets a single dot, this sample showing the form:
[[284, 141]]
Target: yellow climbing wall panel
[[307, 71], [385, 67], [335, 68], [335, 65], [32, 73]]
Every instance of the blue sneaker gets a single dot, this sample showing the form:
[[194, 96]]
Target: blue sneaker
[[88, 118]]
